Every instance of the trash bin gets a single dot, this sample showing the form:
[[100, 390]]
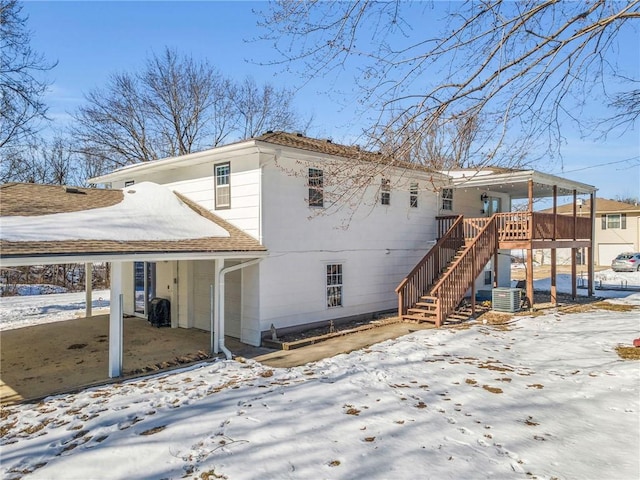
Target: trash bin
[[160, 312]]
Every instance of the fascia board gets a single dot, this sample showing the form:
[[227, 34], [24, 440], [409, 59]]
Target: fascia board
[[173, 163], [21, 261]]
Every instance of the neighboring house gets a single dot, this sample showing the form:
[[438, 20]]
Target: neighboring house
[[328, 232], [617, 230]]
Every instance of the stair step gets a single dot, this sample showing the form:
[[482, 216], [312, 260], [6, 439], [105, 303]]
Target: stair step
[[419, 319], [420, 311], [426, 305], [429, 298]]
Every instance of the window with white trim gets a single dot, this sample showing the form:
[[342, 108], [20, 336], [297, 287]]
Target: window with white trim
[[614, 220], [447, 199], [128, 183], [334, 285], [223, 185], [316, 187], [385, 192], [413, 195]]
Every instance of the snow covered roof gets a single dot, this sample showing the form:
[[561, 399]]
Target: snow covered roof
[[55, 221]]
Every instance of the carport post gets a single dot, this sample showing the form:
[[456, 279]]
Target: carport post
[[115, 321]]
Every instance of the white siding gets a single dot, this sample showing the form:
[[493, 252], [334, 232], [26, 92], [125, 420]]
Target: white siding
[[380, 245]]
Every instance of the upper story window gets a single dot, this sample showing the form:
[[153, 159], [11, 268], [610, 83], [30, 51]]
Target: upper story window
[[447, 199], [385, 192], [223, 185], [316, 187], [615, 220], [413, 195]]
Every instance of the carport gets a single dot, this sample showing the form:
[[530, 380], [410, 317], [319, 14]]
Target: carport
[[49, 224]]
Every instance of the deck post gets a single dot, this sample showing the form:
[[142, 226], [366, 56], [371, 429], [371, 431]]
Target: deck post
[[530, 277], [590, 252], [574, 251], [88, 285], [554, 257], [530, 248]]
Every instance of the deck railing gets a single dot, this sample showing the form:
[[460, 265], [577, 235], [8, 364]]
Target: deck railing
[[452, 287], [519, 226], [422, 277]]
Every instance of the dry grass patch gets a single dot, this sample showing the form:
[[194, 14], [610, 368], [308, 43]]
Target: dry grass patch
[[491, 389], [601, 305], [628, 353], [153, 430]]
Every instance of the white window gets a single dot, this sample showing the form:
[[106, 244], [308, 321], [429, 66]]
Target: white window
[[413, 195], [316, 187], [334, 285], [223, 185], [447, 199], [615, 220], [385, 192], [128, 183]]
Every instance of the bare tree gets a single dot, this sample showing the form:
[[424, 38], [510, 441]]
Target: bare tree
[[21, 86], [50, 162], [174, 106], [525, 66], [263, 108]]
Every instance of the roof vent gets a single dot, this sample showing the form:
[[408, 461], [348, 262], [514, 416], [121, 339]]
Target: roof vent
[[72, 190], [329, 140], [268, 132], [299, 135]]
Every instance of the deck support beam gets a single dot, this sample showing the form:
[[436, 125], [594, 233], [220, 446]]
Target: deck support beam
[[554, 257], [574, 251], [590, 252], [88, 285]]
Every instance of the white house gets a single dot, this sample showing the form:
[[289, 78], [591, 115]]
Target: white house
[[335, 250], [297, 232]]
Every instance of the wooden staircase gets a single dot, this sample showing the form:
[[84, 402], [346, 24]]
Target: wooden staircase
[[435, 287]]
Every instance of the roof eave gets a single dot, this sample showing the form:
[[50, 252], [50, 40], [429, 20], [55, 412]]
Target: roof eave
[[20, 260]]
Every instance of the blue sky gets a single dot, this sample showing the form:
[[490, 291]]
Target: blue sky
[[91, 40]]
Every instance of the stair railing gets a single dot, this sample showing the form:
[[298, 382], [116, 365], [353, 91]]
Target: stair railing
[[451, 288], [422, 277]]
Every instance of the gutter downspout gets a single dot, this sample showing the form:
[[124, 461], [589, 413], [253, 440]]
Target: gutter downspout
[[220, 325]]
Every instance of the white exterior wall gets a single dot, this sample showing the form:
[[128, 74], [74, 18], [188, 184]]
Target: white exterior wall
[[378, 248], [467, 202]]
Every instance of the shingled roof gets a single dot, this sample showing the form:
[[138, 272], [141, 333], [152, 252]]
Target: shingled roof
[[29, 200], [603, 206], [354, 152]]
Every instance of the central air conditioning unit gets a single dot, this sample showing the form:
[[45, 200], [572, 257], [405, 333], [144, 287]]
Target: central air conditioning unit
[[506, 299]]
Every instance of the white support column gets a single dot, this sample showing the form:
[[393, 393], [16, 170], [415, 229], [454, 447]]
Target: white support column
[[218, 265], [115, 321], [88, 285]]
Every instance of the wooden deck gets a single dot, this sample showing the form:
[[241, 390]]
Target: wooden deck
[[435, 287]]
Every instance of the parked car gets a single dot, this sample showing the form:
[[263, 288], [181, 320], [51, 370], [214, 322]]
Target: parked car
[[626, 262]]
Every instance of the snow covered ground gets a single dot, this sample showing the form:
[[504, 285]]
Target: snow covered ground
[[24, 311], [546, 397]]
